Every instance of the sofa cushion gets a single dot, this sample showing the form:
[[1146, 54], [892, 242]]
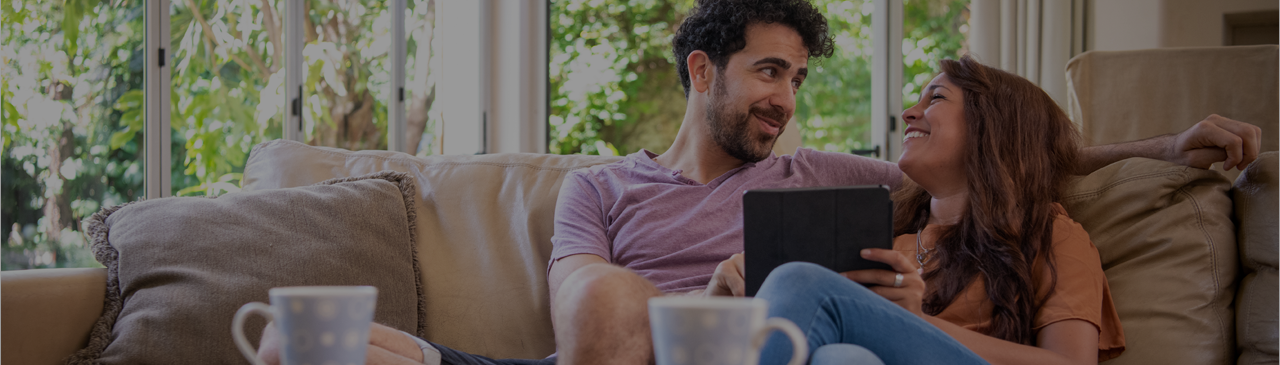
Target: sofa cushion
[[1167, 243], [484, 234], [53, 309], [178, 268], [1256, 207], [1118, 96]]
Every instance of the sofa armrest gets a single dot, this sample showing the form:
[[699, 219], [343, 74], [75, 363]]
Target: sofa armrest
[[46, 314]]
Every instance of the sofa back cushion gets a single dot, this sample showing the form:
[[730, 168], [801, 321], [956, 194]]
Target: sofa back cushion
[[1256, 207], [484, 228], [1167, 243], [1118, 96]]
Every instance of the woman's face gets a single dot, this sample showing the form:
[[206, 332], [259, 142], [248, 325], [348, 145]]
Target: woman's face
[[933, 144]]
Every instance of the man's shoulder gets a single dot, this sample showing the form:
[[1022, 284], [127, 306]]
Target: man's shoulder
[[610, 176], [836, 168], [604, 171], [826, 159]]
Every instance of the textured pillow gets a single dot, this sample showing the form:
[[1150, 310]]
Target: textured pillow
[[1256, 207], [178, 268], [1167, 243]]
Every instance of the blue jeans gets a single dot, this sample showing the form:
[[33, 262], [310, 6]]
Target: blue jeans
[[831, 309]]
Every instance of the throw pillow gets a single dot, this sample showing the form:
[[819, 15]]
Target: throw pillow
[[1256, 200], [178, 268], [1167, 244]]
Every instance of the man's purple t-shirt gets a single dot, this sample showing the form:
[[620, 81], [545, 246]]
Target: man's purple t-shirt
[[672, 230]]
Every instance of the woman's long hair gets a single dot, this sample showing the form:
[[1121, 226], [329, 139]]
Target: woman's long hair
[[1020, 151]]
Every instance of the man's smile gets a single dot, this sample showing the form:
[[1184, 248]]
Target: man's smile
[[771, 126]]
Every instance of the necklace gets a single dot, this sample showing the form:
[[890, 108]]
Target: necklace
[[922, 254]]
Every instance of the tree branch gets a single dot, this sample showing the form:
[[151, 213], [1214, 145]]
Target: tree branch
[[253, 53], [274, 34], [208, 33]]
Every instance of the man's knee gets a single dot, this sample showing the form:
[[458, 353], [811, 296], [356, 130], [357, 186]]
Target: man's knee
[[601, 313], [604, 282]]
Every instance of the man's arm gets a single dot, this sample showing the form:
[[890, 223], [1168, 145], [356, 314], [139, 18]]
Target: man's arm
[[560, 269], [1214, 139]]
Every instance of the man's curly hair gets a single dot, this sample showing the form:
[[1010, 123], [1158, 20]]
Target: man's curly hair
[[719, 28]]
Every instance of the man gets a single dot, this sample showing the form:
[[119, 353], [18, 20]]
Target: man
[[670, 224]]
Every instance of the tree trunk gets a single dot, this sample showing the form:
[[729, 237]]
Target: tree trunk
[[57, 209]]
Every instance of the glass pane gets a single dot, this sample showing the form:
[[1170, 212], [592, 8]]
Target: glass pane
[[833, 107], [347, 73], [227, 89], [72, 105], [932, 30], [422, 73], [614, 88]]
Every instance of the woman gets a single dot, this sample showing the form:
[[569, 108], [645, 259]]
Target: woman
[[987, 266]]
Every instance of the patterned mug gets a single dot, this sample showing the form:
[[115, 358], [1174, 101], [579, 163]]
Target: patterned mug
[[717, 331], [317, 324]]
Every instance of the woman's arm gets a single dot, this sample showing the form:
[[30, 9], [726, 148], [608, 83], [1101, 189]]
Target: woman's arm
[[1066, 342], [1214, 139]]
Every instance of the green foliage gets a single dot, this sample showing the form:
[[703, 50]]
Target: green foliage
[[74, 110], [833, 107], [614, 88], [933, 30], [225, 84], [68, 148], [612, 76]]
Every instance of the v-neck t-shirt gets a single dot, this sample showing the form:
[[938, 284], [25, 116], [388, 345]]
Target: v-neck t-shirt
[[1081, 291], [673, 230]]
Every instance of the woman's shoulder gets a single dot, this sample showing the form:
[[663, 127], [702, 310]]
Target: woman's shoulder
[[1069, 235]]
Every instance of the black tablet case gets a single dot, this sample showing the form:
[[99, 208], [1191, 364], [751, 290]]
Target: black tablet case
[[826, 226]]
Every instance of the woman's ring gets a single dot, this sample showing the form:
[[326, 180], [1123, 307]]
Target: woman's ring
[[897, 280]]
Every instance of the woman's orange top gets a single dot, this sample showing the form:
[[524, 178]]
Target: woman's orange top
[[1081, 292]]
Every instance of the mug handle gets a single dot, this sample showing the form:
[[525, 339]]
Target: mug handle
[[799, 345], [237, 329]]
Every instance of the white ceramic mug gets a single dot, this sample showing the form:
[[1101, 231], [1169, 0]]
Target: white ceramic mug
[[317, 324], [717, 331]]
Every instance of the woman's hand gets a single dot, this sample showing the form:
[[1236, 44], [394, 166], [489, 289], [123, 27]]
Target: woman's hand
[[908, 295], [728, 278]]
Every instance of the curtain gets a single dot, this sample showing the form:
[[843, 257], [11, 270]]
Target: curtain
[[1031, 38]]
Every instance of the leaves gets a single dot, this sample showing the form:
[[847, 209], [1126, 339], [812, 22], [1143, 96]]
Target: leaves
[[72, 14], [72, 106], [614, 87]]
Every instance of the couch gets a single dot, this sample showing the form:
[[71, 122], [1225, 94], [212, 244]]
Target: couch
[[1191, 256], [484, 224]]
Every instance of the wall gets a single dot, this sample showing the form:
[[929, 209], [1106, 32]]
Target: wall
[[1122, 25], [1140, 24], [1198, 23]]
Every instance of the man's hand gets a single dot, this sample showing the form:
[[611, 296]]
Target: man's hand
[[728, 278], [1216, 139], [387, 346], [909, 295]]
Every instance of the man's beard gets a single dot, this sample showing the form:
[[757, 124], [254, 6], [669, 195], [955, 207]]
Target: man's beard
[[734, 132]]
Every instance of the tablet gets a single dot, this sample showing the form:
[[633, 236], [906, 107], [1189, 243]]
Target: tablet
[[826, 226]]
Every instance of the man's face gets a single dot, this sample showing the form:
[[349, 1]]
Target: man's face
[[754, 95]]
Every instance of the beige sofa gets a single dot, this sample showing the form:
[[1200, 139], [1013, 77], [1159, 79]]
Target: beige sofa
[[484, 223], [1191, 259]]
